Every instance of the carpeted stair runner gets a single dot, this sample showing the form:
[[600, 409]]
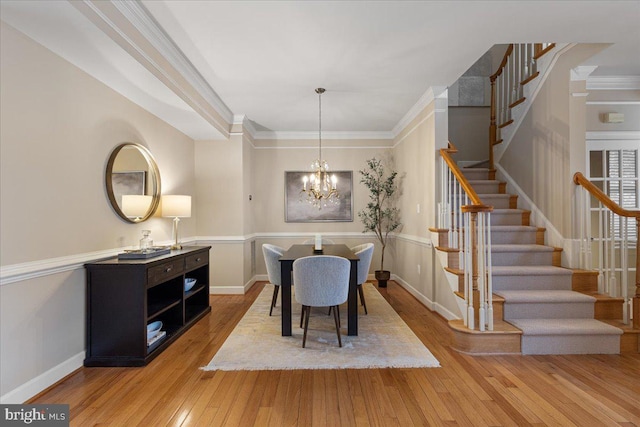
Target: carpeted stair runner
[[538, 296]]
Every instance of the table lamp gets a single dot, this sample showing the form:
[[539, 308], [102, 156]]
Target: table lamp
[[176, 207], [135, 206]]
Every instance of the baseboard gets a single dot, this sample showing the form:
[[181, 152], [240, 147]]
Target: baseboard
[[227, 290], [413, 291], [36, 385], [445, 312]]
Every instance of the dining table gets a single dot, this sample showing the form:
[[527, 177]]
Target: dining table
[[300, 251]]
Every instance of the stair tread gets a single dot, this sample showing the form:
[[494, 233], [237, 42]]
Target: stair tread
[[513, 228], [544, 296], [509, 210], [529, 270], [564, 327], [510, 247]]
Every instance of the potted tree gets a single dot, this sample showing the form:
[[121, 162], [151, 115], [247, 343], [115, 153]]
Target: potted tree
[[380, 216]]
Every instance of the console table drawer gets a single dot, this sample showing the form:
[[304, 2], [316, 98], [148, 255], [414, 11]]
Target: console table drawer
[[197, 260], [165, 271]]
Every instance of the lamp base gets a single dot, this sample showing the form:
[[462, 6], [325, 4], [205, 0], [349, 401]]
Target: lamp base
[[174, 247]]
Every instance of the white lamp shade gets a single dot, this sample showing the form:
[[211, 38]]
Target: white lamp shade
[[176, 206], [135, 205]]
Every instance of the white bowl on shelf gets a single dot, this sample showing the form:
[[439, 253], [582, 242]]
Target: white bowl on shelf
[[153, 329], [188, 284]]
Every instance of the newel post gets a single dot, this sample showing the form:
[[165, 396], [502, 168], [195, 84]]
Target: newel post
[[636, 298]]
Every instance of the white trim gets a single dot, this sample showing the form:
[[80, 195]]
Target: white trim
[[613, 83], [613, 102], [313, 135], [142, 20], [34, 386], [410, 131], [616, 135], [312, 147], [422, 241], [431, 94], [413, 291], [227, 290], [582, 72], [132, 16]]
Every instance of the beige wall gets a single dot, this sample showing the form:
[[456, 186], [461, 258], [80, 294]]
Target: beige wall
[[541, 158], [469, 132], [626, 102], [58, 126]]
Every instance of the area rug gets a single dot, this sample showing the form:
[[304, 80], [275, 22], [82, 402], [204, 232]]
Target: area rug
[[383, 340]]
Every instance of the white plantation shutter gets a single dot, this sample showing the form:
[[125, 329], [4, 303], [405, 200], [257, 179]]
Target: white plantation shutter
[[620, 179]]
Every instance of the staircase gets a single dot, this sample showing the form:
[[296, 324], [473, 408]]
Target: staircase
[[541, 307]]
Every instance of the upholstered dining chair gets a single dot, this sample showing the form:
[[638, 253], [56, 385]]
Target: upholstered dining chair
[[324, 241], [271, 255], [365, 253], [321, 281]]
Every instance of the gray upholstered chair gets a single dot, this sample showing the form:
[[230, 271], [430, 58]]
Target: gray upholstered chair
[[321, 281], [313, 241], [365, 253], [272, 254]]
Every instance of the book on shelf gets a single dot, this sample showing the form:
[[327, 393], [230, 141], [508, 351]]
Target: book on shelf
[[157, 338]]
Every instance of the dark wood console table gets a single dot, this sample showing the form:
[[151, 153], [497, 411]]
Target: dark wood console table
[[123, 296]]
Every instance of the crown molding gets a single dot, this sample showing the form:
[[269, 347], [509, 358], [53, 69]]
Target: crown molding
[[613, 83], [148, 29], [582, 72], [613, 135], [325, 135], [431, 94]]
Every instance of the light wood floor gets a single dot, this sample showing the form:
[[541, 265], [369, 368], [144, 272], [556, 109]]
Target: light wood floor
[[467, 391]]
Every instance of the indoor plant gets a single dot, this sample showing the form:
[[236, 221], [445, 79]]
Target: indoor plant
[[380, 216]]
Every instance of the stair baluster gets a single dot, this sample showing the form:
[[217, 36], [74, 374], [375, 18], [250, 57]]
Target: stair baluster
[[612, 246], [466, 219]]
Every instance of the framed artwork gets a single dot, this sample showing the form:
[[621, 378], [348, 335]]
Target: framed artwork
[[297, 209], [131, 182]]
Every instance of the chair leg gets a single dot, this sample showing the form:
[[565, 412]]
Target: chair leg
[[364, 304], [306, 325], [274, 298], [302, 315], [336, 318]]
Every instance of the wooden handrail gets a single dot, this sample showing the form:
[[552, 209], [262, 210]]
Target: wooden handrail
[[540, 52], [580, 179], [503, 63], [473, 196]]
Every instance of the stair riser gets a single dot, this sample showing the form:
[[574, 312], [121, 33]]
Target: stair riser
[[497, 202], [568, 310], [606, 309], [472, 174], [522, 258], [571, 344], [534, 283], [488, 188], [514, 237], [508, 218]]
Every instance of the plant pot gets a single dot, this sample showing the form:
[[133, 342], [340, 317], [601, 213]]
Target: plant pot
[[382, 276]]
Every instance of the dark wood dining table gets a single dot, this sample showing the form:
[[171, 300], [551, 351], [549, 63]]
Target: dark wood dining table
[[300, 251]]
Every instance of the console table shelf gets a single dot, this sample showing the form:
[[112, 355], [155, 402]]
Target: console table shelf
[[123, 296]]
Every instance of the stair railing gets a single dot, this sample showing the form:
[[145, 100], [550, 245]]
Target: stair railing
[[611, 238], [518, 67], [467, 220]]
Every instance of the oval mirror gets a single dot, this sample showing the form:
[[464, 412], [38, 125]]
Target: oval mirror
[[133, 182]]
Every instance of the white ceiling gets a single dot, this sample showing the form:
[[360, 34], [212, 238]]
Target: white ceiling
[[263, 59]]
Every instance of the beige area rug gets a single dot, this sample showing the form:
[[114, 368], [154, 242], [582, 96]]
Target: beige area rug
[[384, 340]]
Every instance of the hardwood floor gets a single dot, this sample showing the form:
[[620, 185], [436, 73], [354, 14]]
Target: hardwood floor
[[599, 390]]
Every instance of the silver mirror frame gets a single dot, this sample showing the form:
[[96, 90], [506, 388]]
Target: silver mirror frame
[[153, 170]]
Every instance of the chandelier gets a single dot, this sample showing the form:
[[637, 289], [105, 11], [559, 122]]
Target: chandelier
[[319, 187]]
